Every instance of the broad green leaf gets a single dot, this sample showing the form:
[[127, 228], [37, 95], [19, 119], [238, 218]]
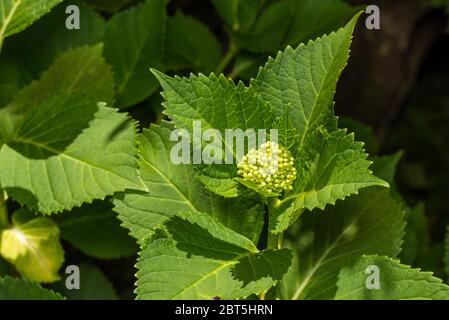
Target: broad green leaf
[[32, 245], [22, 289], [238, 14], [369, 223], [198, 49], [134, 43], [330, 167], [95, 230], [78, 151], [196, 257], [17, 15], [397, 281], [94, 285], [174, 189], [304, 80], [215, 103], [78, 71], [57, 38]]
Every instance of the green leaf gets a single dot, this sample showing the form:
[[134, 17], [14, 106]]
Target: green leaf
[[77, 149], [94, 285], [304, 80], [369, 223], [362, 132], [17, 15], [397, 281], [95, 230], [238, 14], [22, 289], [79, 71], [174, 189], [133, 44], [196, 257], [267, 32], [57, 38], [416, 245], [10, 79], [32, 246], [197, 49], [311, 19], [330, 167], [385, 167], [216, 103]]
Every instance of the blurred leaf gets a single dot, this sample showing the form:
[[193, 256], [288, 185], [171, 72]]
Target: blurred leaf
[[385, 167], [238, 14], [17, 15], [58, 39], [291, 22], [95, 230], [22, 289], [32, 245], [362, 132], [198, 49], [94, 285], [268, 31], [110, 6], [416, 239], [133, 44]]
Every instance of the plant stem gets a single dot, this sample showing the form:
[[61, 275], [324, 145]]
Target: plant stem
[[229, 56], [3, 210]]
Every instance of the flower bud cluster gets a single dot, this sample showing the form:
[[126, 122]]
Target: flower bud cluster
[[271, 167]]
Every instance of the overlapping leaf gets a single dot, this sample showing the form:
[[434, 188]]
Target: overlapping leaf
[[21, 289], [369, 223], [304, 80], [78, 71], [173, 189], [196, 257], [95, 230], [58, 39], [396, 281], [215, 103], [330, 167], [16, 15], [134, 43], [68, 151]]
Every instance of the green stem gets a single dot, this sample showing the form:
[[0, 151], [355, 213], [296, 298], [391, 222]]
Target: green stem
[[229, 56], [3, 210]]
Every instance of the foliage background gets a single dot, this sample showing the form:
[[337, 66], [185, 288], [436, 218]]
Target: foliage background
[[394, 94]]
